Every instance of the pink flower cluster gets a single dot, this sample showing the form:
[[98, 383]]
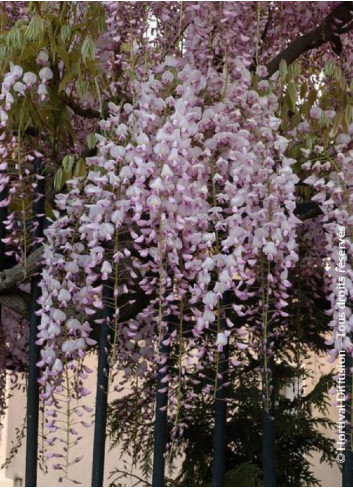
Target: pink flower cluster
[[175, 202]]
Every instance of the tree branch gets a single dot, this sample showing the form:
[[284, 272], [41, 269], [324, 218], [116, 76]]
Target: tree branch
[[11, 277], [88, 112], [338, 22], [17, 302]]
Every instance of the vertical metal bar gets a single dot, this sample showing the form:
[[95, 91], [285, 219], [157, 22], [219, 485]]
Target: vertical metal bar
[[219, 433], [268, 448], [3, 217], [34, 320], [161, 416], [268, 425], [100, 422], [347, 469]]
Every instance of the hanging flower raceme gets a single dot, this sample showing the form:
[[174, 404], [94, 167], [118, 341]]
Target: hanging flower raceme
[[191, 196], [331, 179]]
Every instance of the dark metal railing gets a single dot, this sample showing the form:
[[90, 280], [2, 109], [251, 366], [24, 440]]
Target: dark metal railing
[[219, 431], [268, 417], [3, 217], [100, 419], [34, 350], [161, 415]]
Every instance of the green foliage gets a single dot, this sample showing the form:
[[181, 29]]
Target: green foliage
[[70, 45], [69, 168], [245, 475], [298, 434]]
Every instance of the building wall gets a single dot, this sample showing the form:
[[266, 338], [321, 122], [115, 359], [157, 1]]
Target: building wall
[[81, 471]]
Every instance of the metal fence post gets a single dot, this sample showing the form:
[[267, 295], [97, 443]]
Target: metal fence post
[[34, 320], [268, 423], [219, 435], [268, 447], [3, 217], [161, 414], [100, 419]]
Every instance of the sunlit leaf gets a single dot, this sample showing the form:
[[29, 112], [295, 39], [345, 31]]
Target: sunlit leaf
[[91, 140], [58, 179], [68, 162]]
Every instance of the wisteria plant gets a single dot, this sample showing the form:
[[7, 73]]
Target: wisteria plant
[[190, 150]]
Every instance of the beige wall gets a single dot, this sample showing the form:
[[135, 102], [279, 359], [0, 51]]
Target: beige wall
[[4, 442], [80, 471]]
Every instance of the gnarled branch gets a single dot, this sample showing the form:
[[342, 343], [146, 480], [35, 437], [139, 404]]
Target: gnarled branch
[[11, 277], [17, 302], [86, 112], [339, 21]]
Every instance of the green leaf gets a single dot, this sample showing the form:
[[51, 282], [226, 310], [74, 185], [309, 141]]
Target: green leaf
[[323, 121], [294, 69], [337, 72], [326, 137], [64, 173], [80, 168], [91, 140], [303, 89], [88, 49], [312, 97], [97, 12], [65, 33], [63, 54], [20, 23], [292, 96], [35, 29], [337, 123], [52, 40], [68, 162], [3, 51], [348, 113], [14, 38], [58, 179], [283, 69], [329, 68], [82, 87], [311, 141]]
